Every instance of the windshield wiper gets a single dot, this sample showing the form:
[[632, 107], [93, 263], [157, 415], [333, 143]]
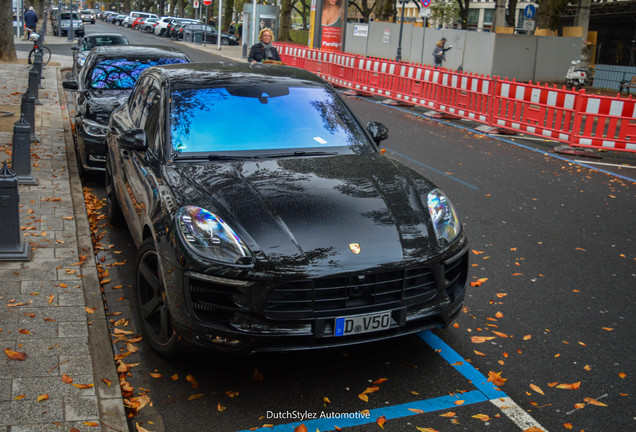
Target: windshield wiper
[[297, 153], [215, 157], [211, 157]]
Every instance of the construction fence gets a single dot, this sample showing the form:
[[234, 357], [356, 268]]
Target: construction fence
[[572, 117]]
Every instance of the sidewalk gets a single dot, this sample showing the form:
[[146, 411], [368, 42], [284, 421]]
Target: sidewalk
[[50, 306], [45, 302]]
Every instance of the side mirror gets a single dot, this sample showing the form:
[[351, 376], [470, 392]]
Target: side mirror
[[133, 139], [379, 132], [70, 85], [74, 48]]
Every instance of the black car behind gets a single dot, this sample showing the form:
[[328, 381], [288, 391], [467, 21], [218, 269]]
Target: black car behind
[[267, 218], [105, 81]]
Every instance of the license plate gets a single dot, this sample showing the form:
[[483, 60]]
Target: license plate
[[362, 323]]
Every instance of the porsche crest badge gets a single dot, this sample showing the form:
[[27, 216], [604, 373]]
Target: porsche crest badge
[[355, 248]]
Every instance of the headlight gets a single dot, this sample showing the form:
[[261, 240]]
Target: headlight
[[445, 222], [94, 129], [80, 60], [209, 236]]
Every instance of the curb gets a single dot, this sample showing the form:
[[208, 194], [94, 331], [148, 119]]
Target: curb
[[109, 398]]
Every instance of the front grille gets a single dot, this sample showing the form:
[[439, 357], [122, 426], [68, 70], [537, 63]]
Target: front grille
[[353, 294]]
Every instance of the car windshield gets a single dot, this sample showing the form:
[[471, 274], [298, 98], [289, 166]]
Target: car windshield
[[262, 118], [67, 16], [121, 74]]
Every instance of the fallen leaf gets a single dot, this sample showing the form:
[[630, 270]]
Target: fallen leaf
[[67, 379], [572, 386], [90, 310], [24, 331], [257, 376], [42, 397], [478, 282], [496, 379], [380, 421], [231, 394], [482, 417], [51, 298], [379, 381], [15, 355], [18, 397], [195, 396], [220, 407], [155, 375], [174, 377], [498, 315], [106, 381], [622, 374], [537, 389], [421, 429], [325, 401], [448, 414], [593, 402], [300, 428], [479, 353], [83, 386], [568, 425], [607, 328], [141, 429], [416, 410], [192, 381], [363, 397], [527, 337], [481, 339], [459, 402], [579, 405], [503, 335]]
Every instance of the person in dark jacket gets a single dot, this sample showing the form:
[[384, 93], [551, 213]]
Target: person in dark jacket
[[439, 53], [31, 19], [264, 51]]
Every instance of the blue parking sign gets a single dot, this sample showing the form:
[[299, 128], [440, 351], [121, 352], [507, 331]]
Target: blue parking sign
[[530, 11]]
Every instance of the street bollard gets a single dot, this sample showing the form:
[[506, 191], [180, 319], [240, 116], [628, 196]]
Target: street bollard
[[27, 109], [11, 246], [37, 64], [34, 84], [21, 155]]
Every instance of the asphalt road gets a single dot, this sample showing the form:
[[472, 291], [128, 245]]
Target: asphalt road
[[554, 267]]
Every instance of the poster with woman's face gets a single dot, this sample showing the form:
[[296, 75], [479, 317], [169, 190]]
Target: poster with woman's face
[[332, 24]]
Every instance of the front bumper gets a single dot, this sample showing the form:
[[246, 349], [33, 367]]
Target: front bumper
[[300, 315]]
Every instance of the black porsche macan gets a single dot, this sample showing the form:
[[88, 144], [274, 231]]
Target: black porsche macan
[[267, 218]]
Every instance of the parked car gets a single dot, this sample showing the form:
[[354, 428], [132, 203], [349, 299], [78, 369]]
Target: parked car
[[147, 25], [104, 82], [88, 42], [62, 23], [292, 231], [88, 15], [117, 19], [208, 32], [170, 29], [161, 27]]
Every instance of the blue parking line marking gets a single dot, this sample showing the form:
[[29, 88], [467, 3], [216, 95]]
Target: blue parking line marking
[[485, 392], [462, 366]]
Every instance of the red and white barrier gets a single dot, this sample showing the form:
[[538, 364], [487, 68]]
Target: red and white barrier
[[563, 115]]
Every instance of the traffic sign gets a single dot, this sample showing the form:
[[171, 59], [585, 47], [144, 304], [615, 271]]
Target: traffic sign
[[426, 3], [195, 4], [529, 11], [207, 2]]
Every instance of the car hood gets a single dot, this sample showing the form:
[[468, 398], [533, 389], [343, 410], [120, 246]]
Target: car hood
[[309, 213], [101, 103]]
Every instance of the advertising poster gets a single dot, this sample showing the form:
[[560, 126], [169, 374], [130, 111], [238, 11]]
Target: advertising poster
[[332, 20]]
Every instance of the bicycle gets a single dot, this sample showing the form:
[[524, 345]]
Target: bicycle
[[46, 52]]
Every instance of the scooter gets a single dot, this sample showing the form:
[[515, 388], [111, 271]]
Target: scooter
[[577, 75]]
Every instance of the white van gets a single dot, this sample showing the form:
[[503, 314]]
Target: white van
[[127, 22]]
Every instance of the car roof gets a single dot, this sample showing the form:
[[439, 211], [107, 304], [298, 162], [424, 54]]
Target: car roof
[[101, 35], [192, 75], [138, 51]]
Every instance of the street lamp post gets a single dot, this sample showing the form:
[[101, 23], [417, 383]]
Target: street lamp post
[[398, 57], [71, 29]]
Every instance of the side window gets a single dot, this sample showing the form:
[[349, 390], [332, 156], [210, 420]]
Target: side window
[[152, 116], [137, 100]]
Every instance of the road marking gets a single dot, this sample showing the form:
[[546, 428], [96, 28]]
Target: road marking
[[607, 164], [486, 392]]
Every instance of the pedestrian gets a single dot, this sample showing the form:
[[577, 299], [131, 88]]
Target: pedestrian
[[232, 28], [439, 53], [240, 32], [264, 51], [30, 20]]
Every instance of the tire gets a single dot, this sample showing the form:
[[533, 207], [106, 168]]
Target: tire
[[162, 32], [113, 210], [154, 316], [225, 41], [46, 55]]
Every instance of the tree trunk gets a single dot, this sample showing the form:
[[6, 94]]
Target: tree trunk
[[463, 13], [512, 12], [7, 48], [549, 13], [285, 21]]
